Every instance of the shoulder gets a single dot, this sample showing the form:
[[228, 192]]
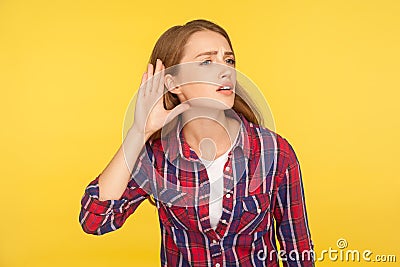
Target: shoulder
[[268, 141]]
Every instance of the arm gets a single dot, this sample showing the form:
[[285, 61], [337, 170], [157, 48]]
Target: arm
[[291, 215], [116, 193], [121, 187], [114, 179]]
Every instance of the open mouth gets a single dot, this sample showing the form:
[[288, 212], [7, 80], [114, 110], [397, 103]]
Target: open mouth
[[225, 89]]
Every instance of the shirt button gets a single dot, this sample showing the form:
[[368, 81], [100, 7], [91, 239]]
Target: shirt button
[[227, 168], [217, 265], [169, 205], [214, 241], [224, 221], [258, 210], [228, 195]]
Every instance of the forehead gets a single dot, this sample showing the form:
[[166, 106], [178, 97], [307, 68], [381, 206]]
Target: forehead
[[206, 40]]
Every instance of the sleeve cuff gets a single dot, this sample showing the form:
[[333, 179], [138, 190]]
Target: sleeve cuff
[[90, 201]]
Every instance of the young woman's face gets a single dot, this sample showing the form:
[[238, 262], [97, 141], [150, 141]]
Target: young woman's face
[[207, 64]]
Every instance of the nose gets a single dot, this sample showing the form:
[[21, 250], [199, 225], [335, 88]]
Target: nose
[[225, 72]]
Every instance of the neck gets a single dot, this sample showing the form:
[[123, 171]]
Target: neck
[[210, 133]]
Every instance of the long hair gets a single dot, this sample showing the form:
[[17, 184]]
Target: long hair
[[169, 49]]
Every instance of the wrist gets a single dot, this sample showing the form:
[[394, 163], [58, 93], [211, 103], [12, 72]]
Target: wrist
[[136, 131]]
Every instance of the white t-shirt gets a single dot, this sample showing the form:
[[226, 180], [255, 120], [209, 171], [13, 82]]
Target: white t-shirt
[[215, 172]]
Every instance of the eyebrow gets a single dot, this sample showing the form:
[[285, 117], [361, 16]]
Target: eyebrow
[[213, 53]]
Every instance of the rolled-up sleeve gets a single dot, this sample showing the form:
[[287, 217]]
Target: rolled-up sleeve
[[291, 216], [102, 216]]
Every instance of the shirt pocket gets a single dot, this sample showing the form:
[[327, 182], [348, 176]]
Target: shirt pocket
[[173, 210], [255, 214]]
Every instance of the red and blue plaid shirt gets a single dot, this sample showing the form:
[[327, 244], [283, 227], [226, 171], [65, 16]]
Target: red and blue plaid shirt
[[263, 199]]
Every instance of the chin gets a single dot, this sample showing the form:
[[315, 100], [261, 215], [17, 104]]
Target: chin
[[229, 102], [212, 102]]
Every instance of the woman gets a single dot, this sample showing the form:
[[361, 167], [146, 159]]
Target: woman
[[221, 182]]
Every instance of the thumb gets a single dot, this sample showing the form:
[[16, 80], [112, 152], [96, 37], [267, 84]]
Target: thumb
[[177, 110]]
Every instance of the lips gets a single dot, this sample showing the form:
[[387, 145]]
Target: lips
[[225, 87]]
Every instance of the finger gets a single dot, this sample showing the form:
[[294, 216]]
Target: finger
[[158, 66], [149, 76], [144, 77], [156, 77], [176, 111], [160, 87], [142, 84]]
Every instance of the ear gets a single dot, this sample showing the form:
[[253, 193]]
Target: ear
[[171, 85]]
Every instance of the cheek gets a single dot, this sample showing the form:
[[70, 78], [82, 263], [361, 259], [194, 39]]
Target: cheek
[[198, 90]]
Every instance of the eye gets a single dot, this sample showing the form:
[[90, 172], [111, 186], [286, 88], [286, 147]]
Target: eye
[[206, 62], [231, 61]]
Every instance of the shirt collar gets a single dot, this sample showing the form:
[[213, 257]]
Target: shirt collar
[[174, 144]]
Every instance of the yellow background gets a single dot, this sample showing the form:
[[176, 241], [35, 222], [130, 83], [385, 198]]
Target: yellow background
[[68, 69]]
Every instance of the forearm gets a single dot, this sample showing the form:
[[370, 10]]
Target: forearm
[[115, 177]]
